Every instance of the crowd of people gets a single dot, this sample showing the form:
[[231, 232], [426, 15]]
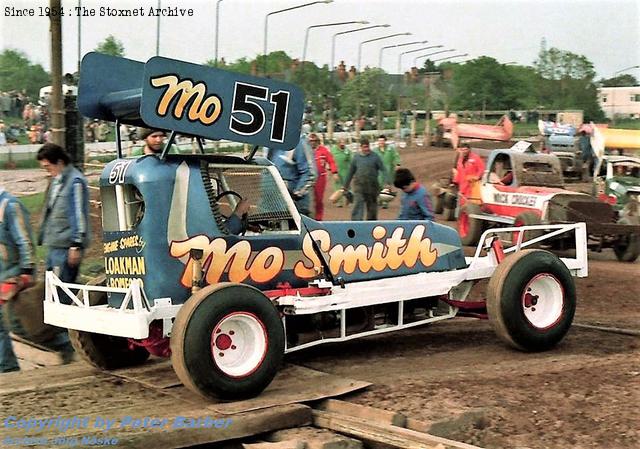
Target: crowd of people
[[34, 123], [358, 178]]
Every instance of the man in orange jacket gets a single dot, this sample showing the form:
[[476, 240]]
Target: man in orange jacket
[[468, 172]]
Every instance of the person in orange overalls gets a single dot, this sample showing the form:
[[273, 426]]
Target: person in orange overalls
[[467, 174], [323, 158]]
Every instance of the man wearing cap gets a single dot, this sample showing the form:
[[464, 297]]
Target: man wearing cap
[[153, 142]]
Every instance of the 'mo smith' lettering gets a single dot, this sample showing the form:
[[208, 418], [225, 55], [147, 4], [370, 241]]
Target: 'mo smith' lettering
[[205, 110], [240, 262]]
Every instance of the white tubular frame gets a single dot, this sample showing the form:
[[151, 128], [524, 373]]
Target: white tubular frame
[[456, 284], [102, 319]]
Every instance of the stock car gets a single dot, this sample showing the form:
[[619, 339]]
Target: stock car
[[227, 307], [522, 187], [618, 183]]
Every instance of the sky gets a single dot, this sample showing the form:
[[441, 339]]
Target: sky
[[607, 32]]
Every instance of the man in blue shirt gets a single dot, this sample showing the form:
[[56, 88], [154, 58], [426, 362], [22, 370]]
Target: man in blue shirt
[[416, 202], [17, 265], [297, 168]]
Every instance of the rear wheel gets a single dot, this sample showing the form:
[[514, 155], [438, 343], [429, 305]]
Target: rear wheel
[[469, 228], [531, 300], [627, 249], [227, 342], [105, 351], [526, 219]]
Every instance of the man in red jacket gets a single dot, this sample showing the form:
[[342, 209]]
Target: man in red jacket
[[467, 174], [323, 158]]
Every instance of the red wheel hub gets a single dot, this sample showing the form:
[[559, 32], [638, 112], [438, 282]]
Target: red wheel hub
[[223, 342]]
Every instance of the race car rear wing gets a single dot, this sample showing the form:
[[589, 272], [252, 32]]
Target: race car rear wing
[[191, 99]]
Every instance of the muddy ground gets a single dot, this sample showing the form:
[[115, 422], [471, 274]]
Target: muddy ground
[[466, 385]]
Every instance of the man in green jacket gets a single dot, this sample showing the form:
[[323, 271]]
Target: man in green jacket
[[390, 159], [343, 156]]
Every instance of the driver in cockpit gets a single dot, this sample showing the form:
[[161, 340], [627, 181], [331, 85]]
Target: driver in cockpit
[[234, 222]]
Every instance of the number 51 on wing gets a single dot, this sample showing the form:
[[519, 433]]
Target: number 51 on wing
[[219, 104]]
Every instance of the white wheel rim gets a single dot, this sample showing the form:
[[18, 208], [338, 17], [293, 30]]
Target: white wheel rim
[[239, 344], [543, 301]]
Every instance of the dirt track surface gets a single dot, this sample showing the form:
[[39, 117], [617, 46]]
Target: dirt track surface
[[466, 385]]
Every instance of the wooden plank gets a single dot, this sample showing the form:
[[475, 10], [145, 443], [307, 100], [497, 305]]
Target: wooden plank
[[315, 438], [51, 378], [384, 434], [294, 384], [158, 374], [289, 444], [243, 425], [363, 412]]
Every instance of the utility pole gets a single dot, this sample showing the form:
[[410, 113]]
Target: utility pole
[[57, 110]]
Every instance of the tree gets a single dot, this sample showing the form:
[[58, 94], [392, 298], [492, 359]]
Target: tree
[[485, 84], [625, 80], [567, 82], [18, 73], [365, 89], [110, 46]]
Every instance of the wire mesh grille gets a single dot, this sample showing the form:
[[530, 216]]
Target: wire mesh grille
[[255, 184]]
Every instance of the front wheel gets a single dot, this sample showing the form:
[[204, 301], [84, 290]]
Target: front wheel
[[227, 342], [531, 300]]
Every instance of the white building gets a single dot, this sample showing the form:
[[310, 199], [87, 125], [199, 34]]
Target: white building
[[620, 101]]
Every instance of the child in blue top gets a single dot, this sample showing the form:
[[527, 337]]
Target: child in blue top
[[416, 202]]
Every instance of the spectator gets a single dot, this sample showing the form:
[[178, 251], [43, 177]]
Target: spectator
[[17, 265], [298, 171], [390, 159], [416, 202], [64, 229], [323, 158], [468, 172], [342, 155], [364, 170], [586, 151]]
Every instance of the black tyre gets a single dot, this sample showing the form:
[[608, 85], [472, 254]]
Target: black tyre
[[227, 342], [105, 351], [469, 228], [531, 300], [627, 249], [526, 219]]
